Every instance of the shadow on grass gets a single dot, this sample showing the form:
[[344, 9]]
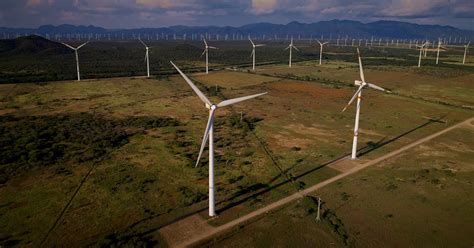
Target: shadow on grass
[[265, 188], [374, 146], [259, 189]]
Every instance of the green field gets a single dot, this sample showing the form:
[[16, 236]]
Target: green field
[[111, 161]]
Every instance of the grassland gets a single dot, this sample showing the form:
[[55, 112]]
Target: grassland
[[117, 59], [120, 152]]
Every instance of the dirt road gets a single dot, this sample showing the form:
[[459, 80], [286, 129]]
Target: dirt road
[[216, 230]]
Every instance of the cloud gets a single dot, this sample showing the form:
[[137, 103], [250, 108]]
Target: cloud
[[165, 4], [156, 13], [31, 3], [263, 6]]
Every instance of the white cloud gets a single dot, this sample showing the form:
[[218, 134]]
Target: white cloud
[[263, 6]]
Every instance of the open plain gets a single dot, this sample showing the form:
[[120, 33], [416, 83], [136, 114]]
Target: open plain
[[110, 161]]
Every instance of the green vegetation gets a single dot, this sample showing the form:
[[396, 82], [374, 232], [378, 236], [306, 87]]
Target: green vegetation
[[121, 59], [41, 141], [109, 162]]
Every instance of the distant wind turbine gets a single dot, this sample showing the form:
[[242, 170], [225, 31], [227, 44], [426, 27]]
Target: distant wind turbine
[[321, 51], [209, 132], [466, 47], [421, 52], [77, 57], [438, 50], [206, 51], [147, 57], [253, 51], [291, 46], [361, 83]]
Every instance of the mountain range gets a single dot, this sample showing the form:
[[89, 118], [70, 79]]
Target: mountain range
[[328, 29]]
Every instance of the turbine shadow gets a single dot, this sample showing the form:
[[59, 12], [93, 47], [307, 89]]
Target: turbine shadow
[[265, 188], [259, 189], [374, 146]]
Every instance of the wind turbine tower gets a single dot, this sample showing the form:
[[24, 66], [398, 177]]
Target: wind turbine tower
[[147, 57], [291, 46], [321, 51], [77, 57], [361, 83], [206, 51], [253, 52], [209, 132], [466, 47]]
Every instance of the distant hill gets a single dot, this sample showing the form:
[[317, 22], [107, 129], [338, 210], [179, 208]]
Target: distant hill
[[32, 44], [333, 29]]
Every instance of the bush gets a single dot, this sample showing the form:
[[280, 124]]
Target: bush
[[40, 141]]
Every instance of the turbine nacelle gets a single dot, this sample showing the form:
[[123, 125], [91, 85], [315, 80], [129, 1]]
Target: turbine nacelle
[[211, 107]]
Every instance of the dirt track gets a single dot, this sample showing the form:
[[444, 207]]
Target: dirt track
[[211, 231]]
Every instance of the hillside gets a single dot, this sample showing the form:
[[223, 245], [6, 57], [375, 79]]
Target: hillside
[[333, 28], [32, 44]]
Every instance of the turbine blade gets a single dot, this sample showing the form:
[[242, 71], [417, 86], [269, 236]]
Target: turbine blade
[[206, 135], [319, 42], [79, 47], [142, 42], [69, 46], [296, 48], [373, 86], [239, 99], [205, 43], [213, 47], [360, 67], [260, 45], [198, 92], [203, 52], [353, 98], [251, 42], [288, 47], [252, 53]]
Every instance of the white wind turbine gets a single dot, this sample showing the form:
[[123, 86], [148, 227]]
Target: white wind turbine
[[361, 83], [253, 52], [438, 50], [147, 57], [466, 47], [321, 50], [77, 57], [209, 132], [427, 45], [291, 46], [421, 52], [206, 51]]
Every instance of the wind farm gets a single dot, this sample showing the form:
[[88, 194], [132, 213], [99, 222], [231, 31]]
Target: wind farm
[[194, 144]]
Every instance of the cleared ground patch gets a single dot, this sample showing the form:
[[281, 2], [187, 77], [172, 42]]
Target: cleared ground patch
[[229, 79]]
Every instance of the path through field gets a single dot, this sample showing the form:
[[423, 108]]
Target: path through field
[[202, 231]]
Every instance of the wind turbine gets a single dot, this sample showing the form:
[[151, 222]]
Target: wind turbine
[[209, 132], [361, 83], [253, 51], [466, 47], [147, 57], [291, 46], [206, 51], [77, 57], [321, 50], [421, 52], [438, 50], [427, 45]]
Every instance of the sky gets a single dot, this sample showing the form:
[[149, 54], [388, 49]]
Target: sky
[[163, 13]]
